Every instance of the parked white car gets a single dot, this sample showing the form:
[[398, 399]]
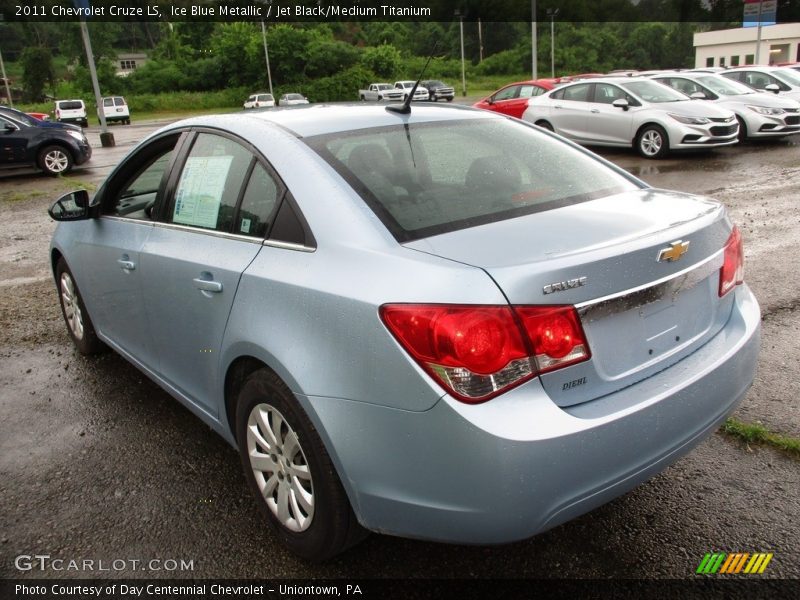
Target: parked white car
[[259, 100], [376, 92], [778, 80], [759, 114], [292, 100], [115, 109], [632, 111], [405, 86]]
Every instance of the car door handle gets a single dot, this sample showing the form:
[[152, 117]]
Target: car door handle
[[557, 106], [126, 265], [595, 110], [207, 286]]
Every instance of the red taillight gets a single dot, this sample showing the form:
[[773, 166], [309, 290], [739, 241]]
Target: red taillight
[[478, 352], [732, 272], [556, 335]]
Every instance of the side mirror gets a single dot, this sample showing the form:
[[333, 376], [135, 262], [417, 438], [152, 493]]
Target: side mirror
[[10, 127], [621, 103], [772, 87], [71, 207], [490, 100], [698, 96]]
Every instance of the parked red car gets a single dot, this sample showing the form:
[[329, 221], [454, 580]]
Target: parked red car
[[40, 116], [513, 99]]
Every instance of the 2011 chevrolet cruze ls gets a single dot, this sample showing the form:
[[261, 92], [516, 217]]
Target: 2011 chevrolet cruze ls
[[445, 324]]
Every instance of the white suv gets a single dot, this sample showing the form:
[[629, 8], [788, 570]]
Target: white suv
[[261, 100], [71, 111]]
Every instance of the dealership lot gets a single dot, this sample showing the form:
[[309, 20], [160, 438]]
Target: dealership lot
[[96, 458]]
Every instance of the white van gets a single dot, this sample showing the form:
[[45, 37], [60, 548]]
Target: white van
[[115, 109], [71, 111]]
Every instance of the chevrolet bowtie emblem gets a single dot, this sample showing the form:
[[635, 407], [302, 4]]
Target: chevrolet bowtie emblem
[[675, 251]]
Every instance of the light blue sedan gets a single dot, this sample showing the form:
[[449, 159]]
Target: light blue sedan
[[445, 324]]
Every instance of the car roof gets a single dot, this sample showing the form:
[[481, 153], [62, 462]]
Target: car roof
[[319, 119]]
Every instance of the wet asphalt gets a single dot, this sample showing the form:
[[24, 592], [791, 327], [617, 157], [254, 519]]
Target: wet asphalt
[[96, 462]]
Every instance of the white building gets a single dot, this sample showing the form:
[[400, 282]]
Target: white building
[[732, 47]]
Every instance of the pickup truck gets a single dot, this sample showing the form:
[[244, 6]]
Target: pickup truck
[[377, 92], [406, 86]]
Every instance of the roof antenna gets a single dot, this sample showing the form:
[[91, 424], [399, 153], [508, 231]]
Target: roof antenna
[[405, 107]]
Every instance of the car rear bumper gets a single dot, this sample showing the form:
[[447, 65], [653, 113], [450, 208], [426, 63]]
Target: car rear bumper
[[517, 465]]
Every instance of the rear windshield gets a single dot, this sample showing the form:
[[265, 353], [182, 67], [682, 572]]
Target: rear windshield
[[431, 178], [70, 105]]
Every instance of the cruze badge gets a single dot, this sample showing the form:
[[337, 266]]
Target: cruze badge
[[675, 251], [560, 286]]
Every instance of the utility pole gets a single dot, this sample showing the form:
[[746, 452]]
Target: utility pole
[[266, 56], [5, 80], [758, 40], [552, 12], [480, 42], [534, 71], [463, 65], [106, 137]]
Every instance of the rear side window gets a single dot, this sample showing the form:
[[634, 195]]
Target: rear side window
[[118, 101], [431, 178], [108, 102], [579, 93]]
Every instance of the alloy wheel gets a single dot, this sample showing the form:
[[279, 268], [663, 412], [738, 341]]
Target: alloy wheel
[[280, 467], [72, 310]]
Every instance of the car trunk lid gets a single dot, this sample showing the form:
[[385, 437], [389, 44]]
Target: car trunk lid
[[641, 268]]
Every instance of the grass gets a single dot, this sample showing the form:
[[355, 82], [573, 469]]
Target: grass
[[756, 433], [21, 196]]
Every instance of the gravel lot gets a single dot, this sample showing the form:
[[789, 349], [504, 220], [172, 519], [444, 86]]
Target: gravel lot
[[97, 462]]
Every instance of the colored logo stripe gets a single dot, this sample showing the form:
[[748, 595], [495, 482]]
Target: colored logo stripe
[[721, 562]]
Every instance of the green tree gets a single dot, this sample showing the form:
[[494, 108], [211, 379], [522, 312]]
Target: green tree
[[37, 64], [383, 60]]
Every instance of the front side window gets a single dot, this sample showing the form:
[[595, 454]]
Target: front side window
[[507, 94], [431, 178], [133, 191], [210, 182], [606, 93], [650, 91], [725, 87]]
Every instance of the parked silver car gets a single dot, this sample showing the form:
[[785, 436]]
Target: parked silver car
[[759, 114], [292, 100], [632, 111], [781, 81], [446, 324]]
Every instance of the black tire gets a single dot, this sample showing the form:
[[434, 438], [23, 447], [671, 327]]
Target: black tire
[[330, 526], [85, 123], [742, 129], [76, 317], [652, 142], [364, 99], [449, 99], [127, 121], [55, 160], [545, 125]]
